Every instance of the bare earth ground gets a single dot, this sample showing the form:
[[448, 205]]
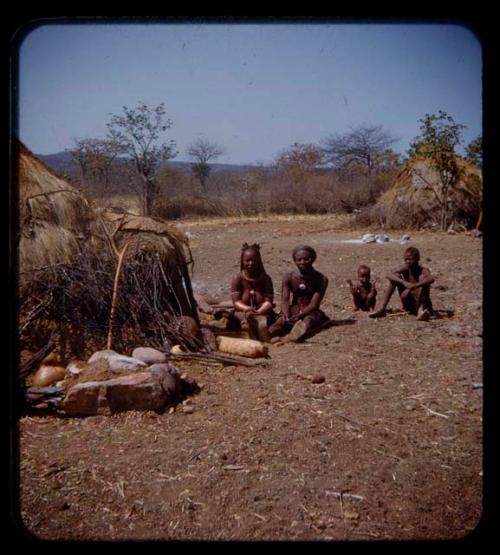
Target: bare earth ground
[[388, 447]]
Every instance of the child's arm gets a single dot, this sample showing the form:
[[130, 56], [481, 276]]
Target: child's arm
[[372, 293], [354, 288], [396, 276], [425, 279]]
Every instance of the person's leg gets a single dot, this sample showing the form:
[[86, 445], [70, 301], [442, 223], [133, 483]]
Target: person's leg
[[387, 297], [236, 321], [277, 327], [423, 303], [408, 302], [257, 328], [359, 301], [370, 304], [299, 329]]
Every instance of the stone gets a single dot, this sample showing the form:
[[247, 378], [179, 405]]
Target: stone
[[138, 391], [75, 367], [118, 362], [149, 355]]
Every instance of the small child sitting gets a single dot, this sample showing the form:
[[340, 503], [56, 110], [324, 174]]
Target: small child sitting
[[364, 292]]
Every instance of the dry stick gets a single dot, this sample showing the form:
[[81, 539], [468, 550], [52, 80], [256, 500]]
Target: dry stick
[[28, 366], [225, 359], [121, 256]]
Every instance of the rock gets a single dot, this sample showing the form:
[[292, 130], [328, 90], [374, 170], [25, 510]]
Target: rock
[[118, 362], [75, 367], [177, 350], [48, 375], [149, 355], [369, 238], [102, 355], [138, 391], [318, 378], [171, 385], [169, 378], [456, 330]]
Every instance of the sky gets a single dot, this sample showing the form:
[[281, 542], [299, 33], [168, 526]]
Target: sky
[[253, 88]]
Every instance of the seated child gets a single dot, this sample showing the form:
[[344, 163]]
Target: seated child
[[413, 283], [364, 293], [306, 287], [252, 295]]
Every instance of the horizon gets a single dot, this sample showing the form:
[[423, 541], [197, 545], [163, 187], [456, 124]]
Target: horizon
[[253, 88]]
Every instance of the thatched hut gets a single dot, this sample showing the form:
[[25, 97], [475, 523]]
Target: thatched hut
[[413, 200], [67, 261]]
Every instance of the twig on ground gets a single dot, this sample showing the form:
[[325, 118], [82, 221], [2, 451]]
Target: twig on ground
[[433, 411]]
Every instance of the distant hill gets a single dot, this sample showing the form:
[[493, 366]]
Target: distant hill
[[62, 162]]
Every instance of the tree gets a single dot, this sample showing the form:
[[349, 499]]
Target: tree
[[137, 133], [95, 158], [364, 145], [202, 151], [299, 161], [440, 135], [474, 151]]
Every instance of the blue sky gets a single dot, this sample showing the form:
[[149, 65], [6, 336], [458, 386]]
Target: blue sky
[[253, 88]]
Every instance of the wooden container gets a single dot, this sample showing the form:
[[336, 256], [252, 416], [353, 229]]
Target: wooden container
[[48, 375], [242, 347]]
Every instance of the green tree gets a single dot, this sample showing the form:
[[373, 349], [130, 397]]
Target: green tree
[[137, 133], [95, 158], [365, 145], [202, 151], [474, 151], [439, 137]]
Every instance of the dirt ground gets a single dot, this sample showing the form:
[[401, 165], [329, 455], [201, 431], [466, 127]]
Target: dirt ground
[[388, 447]]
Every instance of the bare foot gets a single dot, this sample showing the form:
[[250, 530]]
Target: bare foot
[[423, 315], [298, 330], [379, 314]]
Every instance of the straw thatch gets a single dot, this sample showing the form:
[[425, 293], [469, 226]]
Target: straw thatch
[[67, 251], [412, 200], [53, 216]]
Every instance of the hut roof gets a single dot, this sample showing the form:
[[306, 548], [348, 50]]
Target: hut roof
[[417, 179], [417, 184], [56, 219], [53, 215]]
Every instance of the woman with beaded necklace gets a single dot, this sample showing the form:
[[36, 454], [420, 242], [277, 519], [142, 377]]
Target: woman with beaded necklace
[[252, 295]]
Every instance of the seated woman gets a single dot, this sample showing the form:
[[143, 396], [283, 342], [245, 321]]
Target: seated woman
[[306, 287], [252, 295]]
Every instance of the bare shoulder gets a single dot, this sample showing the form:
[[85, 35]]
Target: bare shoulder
[[399, 269], [236, 280], [321, 277]]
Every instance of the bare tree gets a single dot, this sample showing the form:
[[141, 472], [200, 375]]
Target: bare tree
[[202, 151], [364, 145], [137, 132]]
